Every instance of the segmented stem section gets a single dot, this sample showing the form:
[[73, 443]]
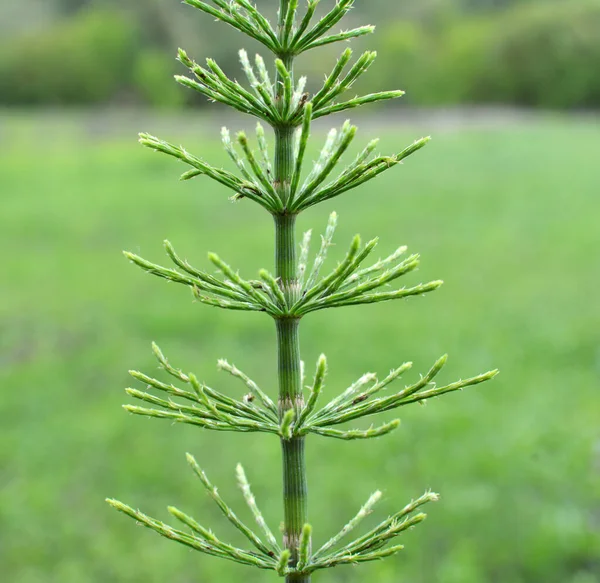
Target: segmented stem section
[[294, 466], [288, 339], [285, 255], [295, 501]]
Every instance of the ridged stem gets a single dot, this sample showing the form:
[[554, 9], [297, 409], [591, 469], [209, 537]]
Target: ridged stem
[[294, 466], [288, 339], [284, 161], [290, 397], [285, 252]]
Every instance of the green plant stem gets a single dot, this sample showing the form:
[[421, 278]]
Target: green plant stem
[[290, 397], [294, 467], [285, 254], [288, 343], [284, 162], [288, 338]]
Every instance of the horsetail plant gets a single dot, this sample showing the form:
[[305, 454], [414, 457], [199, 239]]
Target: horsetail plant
[[297, 287]]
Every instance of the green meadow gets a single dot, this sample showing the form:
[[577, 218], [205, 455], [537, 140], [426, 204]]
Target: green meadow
[[507, 214]]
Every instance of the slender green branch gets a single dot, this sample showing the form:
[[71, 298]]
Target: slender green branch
[[226, 510], [326, 243], [342, 36], [316, 389], [355, 434], [305, 544], [251, 501], [332, 79], [303, 260], [282, 567], [363, 406], [326, 23], [260, 21], [227, 13], [357, 102], [288, 23], [254, 388], [365, 510], [349, 395], [235, 293], [333, 87], [331, 154], [200, 544], [264, 150], [263, 89], [304, 136], [305, 22]]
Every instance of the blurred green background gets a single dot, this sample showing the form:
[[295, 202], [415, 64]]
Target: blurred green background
[[503, 205], [540, 53]]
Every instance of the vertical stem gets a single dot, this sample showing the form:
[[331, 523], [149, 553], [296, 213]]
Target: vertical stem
[[284, 164], [288, 338], [294, 466], [285, 251], [290, 397]]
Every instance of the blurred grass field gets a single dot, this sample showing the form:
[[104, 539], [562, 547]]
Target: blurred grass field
[[506, 215]]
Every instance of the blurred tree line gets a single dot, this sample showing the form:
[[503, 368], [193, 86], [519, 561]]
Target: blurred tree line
[[539, 53]]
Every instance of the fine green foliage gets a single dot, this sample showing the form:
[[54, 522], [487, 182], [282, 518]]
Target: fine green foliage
[[288, 295]]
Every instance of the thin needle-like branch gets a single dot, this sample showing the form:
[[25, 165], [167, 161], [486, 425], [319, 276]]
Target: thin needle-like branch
[[251, 501], [200, 544], [315, 391], [229, 514], [365, 510], [254, 388]]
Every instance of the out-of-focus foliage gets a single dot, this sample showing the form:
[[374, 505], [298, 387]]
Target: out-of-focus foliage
[[532, 53], [86, 59], [437, 67], [152, 69], [545, 56]]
